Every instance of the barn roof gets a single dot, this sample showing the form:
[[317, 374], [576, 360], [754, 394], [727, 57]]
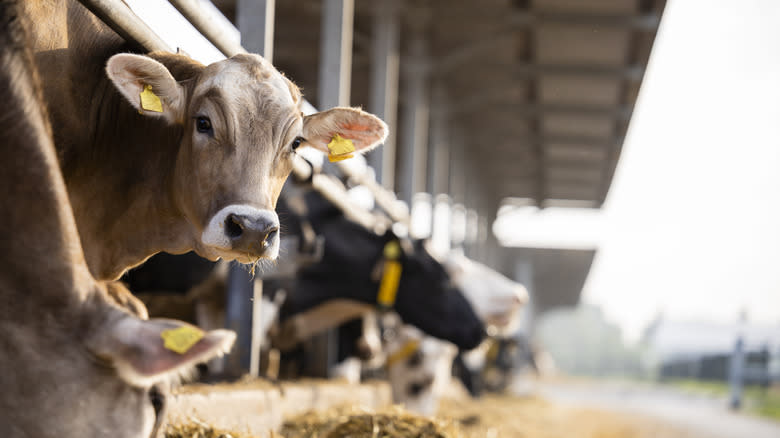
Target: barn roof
[[539, 93]]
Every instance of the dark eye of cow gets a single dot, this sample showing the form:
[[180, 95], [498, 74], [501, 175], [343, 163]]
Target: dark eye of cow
[[203, 125], [297, 142]]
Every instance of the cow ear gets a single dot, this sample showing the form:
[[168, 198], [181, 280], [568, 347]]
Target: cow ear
[[366, 131], [147, 85], [144, 352]]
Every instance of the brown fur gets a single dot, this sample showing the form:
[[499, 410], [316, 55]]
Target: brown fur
[[73, 364], [141, 184]]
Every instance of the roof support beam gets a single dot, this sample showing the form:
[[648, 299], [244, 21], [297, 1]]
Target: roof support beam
[[525, 20], [522, 70], [527, 109]]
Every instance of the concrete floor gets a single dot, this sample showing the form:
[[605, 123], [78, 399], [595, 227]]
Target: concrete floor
[[701, 416]]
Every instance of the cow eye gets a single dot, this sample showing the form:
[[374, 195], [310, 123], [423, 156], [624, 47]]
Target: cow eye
[[297, 142], [203, 125]]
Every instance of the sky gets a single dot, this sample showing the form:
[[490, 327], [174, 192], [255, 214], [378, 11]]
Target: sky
[[691, 225]]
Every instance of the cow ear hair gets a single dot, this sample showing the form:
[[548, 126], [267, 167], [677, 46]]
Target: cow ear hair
[[131, 74], [365, 130], [137, 348]]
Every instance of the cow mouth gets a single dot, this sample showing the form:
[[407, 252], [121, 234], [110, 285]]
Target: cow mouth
[[216, 253], [500, 320]]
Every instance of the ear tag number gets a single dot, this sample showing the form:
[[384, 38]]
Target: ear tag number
[[340, 148], [150, 101], [181, 339]]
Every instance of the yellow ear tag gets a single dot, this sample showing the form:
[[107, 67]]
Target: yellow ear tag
[[340, 148], [181, 339], [150, 101], [391, 275]]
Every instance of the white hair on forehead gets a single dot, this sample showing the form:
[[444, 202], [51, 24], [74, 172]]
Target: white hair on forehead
[[232, 77]]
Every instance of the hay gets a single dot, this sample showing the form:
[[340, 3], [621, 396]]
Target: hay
[[197, 430], [352, 423]]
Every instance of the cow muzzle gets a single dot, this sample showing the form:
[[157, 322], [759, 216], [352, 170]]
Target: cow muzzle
[[244, 233]]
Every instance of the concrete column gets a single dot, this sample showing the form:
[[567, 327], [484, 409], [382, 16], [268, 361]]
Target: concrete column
[[335, 53], [256, 22], [384, 86], [416, 106]]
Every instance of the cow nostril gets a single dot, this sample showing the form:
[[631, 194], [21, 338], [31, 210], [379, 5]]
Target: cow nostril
[[269, 233], [233, 227]]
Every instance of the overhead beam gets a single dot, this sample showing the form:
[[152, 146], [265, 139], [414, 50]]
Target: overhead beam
[[526, 19], [522, 70], [527, 109]]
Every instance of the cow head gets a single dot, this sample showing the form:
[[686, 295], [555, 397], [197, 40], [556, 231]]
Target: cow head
[[496, 299], [240, 123], [419, 369], [426, 297]]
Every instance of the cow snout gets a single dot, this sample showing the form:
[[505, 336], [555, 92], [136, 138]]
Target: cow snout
[[243, 232], [251, 234]]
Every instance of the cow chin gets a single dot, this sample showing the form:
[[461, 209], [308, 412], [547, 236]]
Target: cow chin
[[214, 253]]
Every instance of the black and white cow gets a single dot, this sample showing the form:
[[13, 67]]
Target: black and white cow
[[349, 269]]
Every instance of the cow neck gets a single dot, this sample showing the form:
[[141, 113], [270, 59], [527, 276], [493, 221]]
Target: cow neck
[[44, 272], [127, 216]]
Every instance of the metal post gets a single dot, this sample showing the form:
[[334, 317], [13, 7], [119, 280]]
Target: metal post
[[257, 325], [439, 152], [414, 146], [243, 294], [256, 22], [238, 317], [334, 87], [384, 86], [737, 366], [524, 274], [335, 53]]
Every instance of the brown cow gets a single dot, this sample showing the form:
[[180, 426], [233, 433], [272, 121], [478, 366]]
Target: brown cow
[[204, 174], [73, 364]]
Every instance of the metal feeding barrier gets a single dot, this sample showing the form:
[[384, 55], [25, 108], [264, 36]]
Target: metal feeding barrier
[[241, 287]]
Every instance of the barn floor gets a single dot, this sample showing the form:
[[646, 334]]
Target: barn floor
[[370, 416]]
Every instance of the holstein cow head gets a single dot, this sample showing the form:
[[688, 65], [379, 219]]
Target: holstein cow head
[[425, 298], [241, 123], [419, 369], [496, 299]]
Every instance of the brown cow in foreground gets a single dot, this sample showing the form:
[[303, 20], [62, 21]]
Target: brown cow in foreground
[[204, 174], [73, 363]]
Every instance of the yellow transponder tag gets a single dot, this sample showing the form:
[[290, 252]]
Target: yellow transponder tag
[[150, 101], [388, 286], [181, 339], [407, 350], [340, 148]]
